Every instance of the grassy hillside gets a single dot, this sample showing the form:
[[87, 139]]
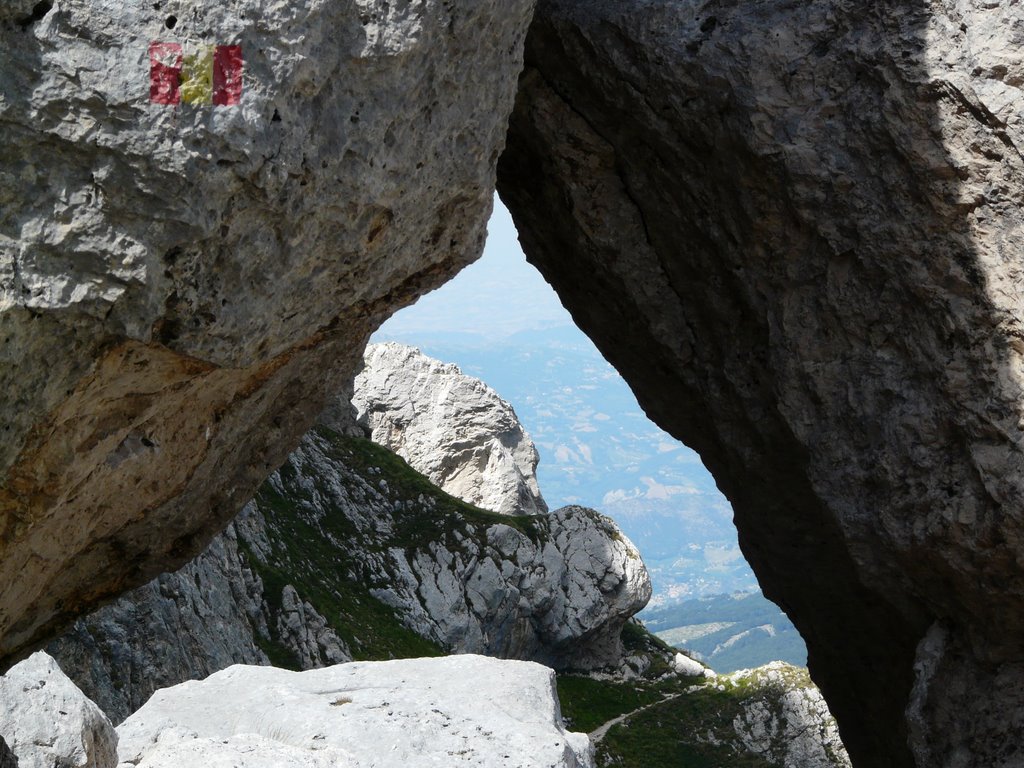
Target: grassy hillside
[[690, 722], [309, 546]]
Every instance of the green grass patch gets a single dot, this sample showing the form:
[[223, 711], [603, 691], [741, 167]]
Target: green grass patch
[[637, 639], [310, 539], [587, 703], [416, 526], [674, 733]]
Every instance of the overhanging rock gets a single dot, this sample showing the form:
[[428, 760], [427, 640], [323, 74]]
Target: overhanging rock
[[796, 231], [179, 283]]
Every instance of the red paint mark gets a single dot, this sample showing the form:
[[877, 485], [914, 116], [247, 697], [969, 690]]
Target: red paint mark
[[227, 75], [164, 73]]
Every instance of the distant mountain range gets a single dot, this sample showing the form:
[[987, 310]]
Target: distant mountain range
[[729, 632]]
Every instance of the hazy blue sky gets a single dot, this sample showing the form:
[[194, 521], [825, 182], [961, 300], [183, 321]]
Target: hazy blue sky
[[497, 296]]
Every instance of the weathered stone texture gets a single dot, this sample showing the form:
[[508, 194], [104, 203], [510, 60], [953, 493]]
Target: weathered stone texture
[[48, 722], [456, 711], [784, 720], [170, 276], [796, 230], [559, 596], [180, 626], [453, 428]]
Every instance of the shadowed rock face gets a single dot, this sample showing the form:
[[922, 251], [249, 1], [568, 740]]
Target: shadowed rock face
[[796, 230], [179, 284]]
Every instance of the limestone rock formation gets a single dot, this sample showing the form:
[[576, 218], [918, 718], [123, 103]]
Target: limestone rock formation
[[455, 711], [784, 719], [343, 550], [7, 758], [453, 428], [684, 665], [557, 591], [796, 229], [171, 273], [47, 721]]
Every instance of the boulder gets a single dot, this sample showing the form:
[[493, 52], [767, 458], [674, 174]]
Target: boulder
[[684, 665], [795, 229], [453, 428], [47, 721], [783, 718], [170, 274], [558, 592], [455, 711]]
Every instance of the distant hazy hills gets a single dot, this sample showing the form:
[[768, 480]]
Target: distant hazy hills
[[729, 632]]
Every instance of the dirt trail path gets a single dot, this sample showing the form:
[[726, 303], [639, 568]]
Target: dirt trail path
[[601, 731]]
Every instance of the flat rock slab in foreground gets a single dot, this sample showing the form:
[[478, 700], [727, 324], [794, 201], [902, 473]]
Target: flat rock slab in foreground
[[453, 711]]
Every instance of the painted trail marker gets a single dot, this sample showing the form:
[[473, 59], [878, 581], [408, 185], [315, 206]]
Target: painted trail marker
[[207, 75]]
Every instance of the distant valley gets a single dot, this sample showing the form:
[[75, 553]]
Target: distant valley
[[729, 632]]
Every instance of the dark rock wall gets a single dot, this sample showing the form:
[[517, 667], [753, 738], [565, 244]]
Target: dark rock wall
[[795, 229]]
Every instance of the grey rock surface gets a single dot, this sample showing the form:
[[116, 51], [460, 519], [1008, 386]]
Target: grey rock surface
[[302, 629], [453, 428], [47, 721], [796, 230], [169, 275], [181, 626], [784, 719], [455, 711], [559, 593]]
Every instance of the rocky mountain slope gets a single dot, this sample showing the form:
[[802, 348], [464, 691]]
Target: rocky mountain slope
[[795, 229], [771, 717], [348, 552], [453, 428]]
